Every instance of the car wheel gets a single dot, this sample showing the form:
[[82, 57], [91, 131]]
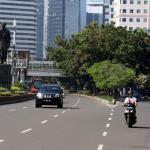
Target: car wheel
[[37, 105], [60, 104]]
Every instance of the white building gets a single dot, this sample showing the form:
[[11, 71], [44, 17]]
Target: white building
[[132, 14], [25, 13]]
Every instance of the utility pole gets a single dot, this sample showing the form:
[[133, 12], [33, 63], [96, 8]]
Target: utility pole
[[13, 54]]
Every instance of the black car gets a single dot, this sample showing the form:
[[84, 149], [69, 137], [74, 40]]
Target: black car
[[49, 95]]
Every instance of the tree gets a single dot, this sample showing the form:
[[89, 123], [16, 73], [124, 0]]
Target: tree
[[108, 75]]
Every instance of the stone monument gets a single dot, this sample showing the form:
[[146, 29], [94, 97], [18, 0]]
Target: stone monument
[[5, 69]]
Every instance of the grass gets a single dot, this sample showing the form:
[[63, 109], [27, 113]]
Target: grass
[[106, 97]]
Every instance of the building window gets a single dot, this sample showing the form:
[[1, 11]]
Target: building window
[[112, 9], [131, 1], [131, 20], [112, 15], [138, 1], [131, 11], [130, 28], [124, 1], [144, 19], [124, 11], [145, 2], [145, 29], [138, 11], [145, 11], [123, 19], [137, 19]]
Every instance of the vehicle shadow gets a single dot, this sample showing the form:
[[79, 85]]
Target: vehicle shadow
[[50, 107], [140, 127]]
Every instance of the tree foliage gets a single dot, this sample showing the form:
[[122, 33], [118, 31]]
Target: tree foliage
[[99, 43], [110, 75]]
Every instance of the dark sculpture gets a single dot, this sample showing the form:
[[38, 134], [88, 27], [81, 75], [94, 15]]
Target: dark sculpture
[[4, 42]]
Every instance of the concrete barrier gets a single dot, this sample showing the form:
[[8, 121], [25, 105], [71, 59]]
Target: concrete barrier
[[16, 99]]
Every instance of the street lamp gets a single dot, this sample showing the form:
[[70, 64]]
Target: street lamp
[[13, 51]]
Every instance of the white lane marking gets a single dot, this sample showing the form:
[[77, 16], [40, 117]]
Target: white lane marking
[[25, 107], [44, 121], [25, 131], [110, 119], [12, 110], [107, 125], [111, 114], [100, 147], [104, 133], [1, 141], [112, 110], [56, 116], [63, 112]]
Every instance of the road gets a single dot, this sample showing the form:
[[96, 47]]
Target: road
[[83, 124]]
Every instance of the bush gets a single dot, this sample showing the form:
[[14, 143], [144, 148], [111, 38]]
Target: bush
[[20, 85], [2, 89], [19, 92], [15, 88], [8, 93]]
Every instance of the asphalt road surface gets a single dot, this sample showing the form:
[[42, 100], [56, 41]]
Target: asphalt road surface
[[83, 124]]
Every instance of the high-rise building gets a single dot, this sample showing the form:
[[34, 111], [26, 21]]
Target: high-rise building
[[132, 14], [108, 11], [40, 28], [100, 11], [25, 14], [95, 11], [62, 18]]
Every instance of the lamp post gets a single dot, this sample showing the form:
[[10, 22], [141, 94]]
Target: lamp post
[[13, 51]]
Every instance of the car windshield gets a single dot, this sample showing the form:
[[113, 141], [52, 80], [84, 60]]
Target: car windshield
[[50, 89]]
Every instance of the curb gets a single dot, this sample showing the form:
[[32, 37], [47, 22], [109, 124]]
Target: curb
[[15, 99], [103, 100]]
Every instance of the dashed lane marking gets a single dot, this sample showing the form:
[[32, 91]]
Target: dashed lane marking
[[100, 147], [1, 141], [63, 112], [110, 119], [25, 131], [107, 125], [25, 107], [11, 110], [112, 110], [56, 116], [111, 114], [43, 122], [104, 133]]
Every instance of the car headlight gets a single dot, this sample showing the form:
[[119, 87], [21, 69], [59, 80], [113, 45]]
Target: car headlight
[[39, 95], [56, 95]]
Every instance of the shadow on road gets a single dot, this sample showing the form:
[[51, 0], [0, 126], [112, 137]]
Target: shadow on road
[[140, 127], [50, 107]]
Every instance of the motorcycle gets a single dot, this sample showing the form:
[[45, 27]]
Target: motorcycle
[[130, 115]]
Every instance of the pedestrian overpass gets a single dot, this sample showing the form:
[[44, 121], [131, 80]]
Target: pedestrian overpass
[[43, 69]]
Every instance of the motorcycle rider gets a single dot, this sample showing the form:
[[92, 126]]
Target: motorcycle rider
[[130, 100]]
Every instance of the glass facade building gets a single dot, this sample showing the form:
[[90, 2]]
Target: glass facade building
[[40, 28], [25, 13], [62, 18]]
